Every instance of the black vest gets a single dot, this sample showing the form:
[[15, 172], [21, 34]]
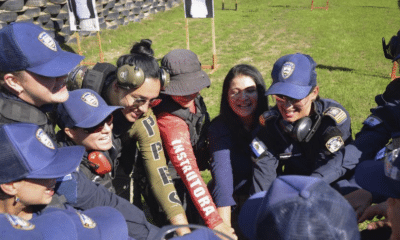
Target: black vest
[[197, 123]]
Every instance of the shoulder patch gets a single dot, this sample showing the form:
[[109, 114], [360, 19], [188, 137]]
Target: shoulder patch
[[258, 147], [19, 223], [337, 114], [266, 116], [334, 143], [372, 121]]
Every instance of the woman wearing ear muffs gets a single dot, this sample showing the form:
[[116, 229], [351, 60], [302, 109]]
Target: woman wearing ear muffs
[[303, 132], [135, 85]]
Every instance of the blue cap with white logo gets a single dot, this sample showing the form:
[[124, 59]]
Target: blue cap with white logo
[[294, 76], [26, 151], [84, 108], [25, 46]]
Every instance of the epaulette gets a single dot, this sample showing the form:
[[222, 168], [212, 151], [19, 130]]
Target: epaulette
[[266, 116], [337, 114]]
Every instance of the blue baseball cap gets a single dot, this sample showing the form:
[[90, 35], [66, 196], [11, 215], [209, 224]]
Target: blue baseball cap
[[294, 76], [26, 151], [98, 223], [381, 177], [25, 46], [298, 207], [47, 227], [84, 108]]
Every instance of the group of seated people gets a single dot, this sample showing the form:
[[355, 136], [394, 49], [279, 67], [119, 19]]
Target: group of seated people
[[290, 171]]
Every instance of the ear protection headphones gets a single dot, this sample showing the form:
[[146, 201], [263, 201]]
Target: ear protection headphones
[[98, 162], [129, 76], [303, 129]]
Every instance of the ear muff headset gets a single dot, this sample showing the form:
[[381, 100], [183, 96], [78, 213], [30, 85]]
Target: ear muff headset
[[98, 162], [303, 129], [130, 76], [165, 77]]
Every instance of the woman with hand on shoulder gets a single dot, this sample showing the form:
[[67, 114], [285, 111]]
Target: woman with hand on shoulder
[[242, 103]]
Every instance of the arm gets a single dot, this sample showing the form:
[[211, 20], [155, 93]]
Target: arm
[[146, 131], [176, 139], [83, 194], [220, 146]]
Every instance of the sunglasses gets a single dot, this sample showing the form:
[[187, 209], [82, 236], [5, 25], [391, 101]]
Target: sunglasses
[[99, 127], [137, 102], [286, 99]]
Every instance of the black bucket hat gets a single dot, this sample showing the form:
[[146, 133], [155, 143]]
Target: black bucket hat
[[187, 77]]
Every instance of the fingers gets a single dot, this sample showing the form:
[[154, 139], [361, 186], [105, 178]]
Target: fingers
[[379, 224]]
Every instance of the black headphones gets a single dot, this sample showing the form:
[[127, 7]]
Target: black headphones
[[303, 129]]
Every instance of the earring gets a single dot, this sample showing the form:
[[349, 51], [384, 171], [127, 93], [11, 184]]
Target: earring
[[16, 199]]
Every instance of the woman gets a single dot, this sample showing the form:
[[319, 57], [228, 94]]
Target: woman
[[303, 132], [182, 118], [135, 85], [86, 120], [30, 164], [242, 102]]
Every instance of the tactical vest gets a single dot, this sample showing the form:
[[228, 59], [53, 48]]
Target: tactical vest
[[198, 124], [12, 110]]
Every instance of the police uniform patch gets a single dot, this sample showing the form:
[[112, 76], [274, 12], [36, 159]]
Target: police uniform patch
[[287, 69], [258, 147], [336, 114], [47, 41], [19, 223], [90, 99], [334, 144], [86, 221], [44, 138], [372, 121]]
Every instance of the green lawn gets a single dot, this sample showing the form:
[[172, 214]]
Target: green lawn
[[345, 41]]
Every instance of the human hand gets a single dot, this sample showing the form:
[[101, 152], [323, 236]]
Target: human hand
[[372, 211], [225, 229], [360, 200]]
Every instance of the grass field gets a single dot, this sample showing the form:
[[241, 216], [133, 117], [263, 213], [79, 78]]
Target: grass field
[[345, 41]]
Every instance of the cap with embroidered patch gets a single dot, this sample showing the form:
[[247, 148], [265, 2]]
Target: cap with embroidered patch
[[84, 109], [26, 151], [25, 46], [294, 76], [298, 207]]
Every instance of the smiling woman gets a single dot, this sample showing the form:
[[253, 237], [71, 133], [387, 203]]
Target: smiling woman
[[242, 102]]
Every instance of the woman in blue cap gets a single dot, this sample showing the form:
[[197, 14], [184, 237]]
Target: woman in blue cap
[[86, 120], [30, 164], [303, 132]]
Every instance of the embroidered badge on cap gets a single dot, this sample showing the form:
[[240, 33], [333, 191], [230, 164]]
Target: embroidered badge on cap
[[19, 223], [334, 144], [87, 222], [90, 99], [47, 41], [287, 69], [258, 147], [372, 121], [44, 138], [336, 114]]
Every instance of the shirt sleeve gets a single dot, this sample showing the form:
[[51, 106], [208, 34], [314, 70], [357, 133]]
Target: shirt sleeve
[[221, 167], [176, 140], [147, 133]]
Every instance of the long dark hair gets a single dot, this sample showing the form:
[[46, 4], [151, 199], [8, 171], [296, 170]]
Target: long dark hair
[[142, 56], [226, 113]]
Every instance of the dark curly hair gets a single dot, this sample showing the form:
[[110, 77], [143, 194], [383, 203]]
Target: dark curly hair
[[142, 56]]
